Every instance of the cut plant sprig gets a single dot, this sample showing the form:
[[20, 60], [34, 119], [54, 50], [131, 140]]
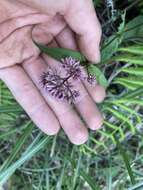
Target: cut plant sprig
[[60, 53], [60, 85]]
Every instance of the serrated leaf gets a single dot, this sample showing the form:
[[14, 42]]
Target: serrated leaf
[[94, 70], [59, 53]]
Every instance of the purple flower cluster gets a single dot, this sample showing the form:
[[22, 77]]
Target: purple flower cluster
[[72, 67], [60, 86]]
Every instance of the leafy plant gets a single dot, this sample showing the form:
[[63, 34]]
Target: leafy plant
[[98, 163]]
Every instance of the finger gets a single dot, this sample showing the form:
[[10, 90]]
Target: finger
[[97, 92], [88, 109], [66, 39], [44, 33], [69, 120], [30, 99], [82, 18], [84, 105]]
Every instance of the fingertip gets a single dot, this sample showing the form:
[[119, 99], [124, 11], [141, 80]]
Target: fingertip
[[90, 48], [45, 120], [99, 94], [50, 130], [80, 137], [96, 122]]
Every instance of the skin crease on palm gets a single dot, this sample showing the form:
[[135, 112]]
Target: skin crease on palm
[[65, 23]]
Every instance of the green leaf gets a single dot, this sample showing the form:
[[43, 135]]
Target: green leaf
[[134, 71], [130, 110], [94, 70], [126, 84], [10, 108], [122, 118], [134, 28], [129, 59], [88, 179], [115, 128], [109, 48], [133, 94], [129, 101], [59, 53], [131, 83], [138, 50], [132, 80], [85, 176]]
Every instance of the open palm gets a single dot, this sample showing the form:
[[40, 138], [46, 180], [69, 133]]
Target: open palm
[[71, 24]]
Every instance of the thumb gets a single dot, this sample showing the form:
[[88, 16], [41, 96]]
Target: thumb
[[82, 19]]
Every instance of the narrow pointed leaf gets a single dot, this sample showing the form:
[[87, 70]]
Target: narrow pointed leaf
[[59, 53], [138, 50]]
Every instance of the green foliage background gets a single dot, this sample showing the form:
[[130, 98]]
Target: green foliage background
[[112, 158]]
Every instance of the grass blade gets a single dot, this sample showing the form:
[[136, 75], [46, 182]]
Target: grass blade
[[18, 146], [4, 176], [10, 108], [138, 186], [85, 176], [126, 161], [133, 94]]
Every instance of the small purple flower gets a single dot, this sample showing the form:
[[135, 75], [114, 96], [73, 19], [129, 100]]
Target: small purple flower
[[72, 67], [91, 79]]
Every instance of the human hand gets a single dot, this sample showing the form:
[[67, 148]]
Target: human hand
[[66, 23]]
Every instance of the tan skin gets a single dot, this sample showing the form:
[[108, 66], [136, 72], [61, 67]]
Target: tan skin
[[66, 23]]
